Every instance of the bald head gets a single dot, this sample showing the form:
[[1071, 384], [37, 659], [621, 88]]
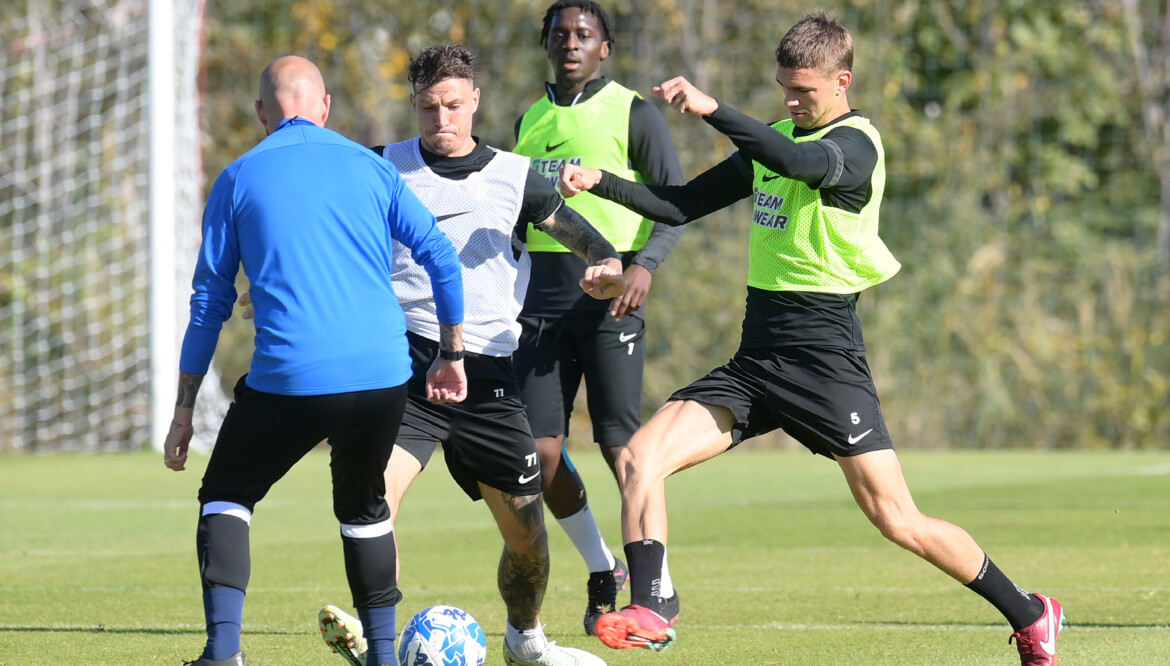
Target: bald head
[[291, 86]]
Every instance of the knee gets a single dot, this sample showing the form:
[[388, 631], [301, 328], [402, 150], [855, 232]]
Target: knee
[[636, 463], [549, 450], [625, 466], [522, 524], [532, 541], [900, 528]]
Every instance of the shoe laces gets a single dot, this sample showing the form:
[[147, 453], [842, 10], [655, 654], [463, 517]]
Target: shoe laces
[[1025, 645]]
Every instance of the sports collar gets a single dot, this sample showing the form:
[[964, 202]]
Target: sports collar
[[295, 120], [592, 87]]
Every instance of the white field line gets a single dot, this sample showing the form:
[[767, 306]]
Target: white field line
[[1068, 626], [1154, 470]]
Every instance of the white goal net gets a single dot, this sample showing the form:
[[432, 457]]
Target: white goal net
[[75, 155]]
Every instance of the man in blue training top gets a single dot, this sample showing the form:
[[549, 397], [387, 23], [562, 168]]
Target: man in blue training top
[[312, 216]]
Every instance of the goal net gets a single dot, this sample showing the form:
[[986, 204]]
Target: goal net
[[75, 154]]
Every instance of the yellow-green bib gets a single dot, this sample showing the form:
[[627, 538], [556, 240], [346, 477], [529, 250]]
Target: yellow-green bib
[[800, 244], [594, 134]]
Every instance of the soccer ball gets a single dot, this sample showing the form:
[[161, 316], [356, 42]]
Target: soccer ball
[[442, 636]]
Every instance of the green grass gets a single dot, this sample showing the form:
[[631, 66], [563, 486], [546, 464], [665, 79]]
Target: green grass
[[774, 562]]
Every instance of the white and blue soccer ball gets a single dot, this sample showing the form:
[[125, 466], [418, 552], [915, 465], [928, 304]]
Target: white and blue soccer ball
[[442, 636]]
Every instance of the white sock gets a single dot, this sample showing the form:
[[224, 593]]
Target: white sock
[[585, 535], [666, 586], [526, 644]]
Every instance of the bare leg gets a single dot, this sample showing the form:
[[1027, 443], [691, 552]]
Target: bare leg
[[400, 473], [880, 490], [679, 435]]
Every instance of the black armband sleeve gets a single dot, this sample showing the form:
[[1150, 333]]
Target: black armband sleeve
[[808, 162]]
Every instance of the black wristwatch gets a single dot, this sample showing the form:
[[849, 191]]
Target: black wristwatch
[[451, 354]]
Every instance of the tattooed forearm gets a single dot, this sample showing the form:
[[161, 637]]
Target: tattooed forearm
[[188, 389], [523, 577], [451, 336], [573, 231]]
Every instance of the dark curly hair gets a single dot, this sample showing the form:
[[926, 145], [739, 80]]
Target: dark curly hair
[[439, 63], [587, 6]]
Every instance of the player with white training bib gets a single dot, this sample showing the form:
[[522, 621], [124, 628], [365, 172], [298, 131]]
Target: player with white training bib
[[484, 199]]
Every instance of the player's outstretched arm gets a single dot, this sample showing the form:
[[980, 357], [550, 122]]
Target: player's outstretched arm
[[180, 433], [685, 97]]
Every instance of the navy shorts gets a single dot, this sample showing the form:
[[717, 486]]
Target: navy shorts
[[823, 397], [485, 438], [556, 352]]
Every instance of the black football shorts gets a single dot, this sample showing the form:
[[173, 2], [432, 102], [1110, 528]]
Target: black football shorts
[[485, 438], [556, 352], [823, 397]]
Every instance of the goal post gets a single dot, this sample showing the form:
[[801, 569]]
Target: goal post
[[164, 361], [100, 201]]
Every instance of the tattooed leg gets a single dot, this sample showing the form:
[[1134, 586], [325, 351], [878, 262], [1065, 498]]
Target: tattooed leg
[[524, 565]]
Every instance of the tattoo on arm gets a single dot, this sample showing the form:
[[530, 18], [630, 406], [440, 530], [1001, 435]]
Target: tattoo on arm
[[451, 336], [188, 389], [573, 231], [523, 577]]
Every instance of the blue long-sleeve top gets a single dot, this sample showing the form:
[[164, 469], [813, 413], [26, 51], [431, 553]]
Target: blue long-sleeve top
[[311, 216]]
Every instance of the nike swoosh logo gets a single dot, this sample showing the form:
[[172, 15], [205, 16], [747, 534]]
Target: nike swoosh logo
[[526, 479], [770, 178], [548, 148], [626, 338], [440, 218], [1049, 643], [854, 440]]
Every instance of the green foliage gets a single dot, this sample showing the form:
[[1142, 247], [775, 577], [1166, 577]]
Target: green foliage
[[774, 563], [1022, 199]]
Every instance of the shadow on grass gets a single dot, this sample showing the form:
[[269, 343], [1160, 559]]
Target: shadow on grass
[[135, 630], [997, 625]]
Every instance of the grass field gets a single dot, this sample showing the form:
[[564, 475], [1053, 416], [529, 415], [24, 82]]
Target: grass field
[[774, 563]]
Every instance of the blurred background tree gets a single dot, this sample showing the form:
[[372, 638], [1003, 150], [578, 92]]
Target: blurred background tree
[[1028, 194], [1026, 147]]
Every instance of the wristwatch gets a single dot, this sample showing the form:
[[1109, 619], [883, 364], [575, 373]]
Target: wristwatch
[[451, 354]]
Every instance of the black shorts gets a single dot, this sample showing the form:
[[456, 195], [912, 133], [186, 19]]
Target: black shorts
[[485, 438], [557, 351], [824, 397], [263, 435]]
